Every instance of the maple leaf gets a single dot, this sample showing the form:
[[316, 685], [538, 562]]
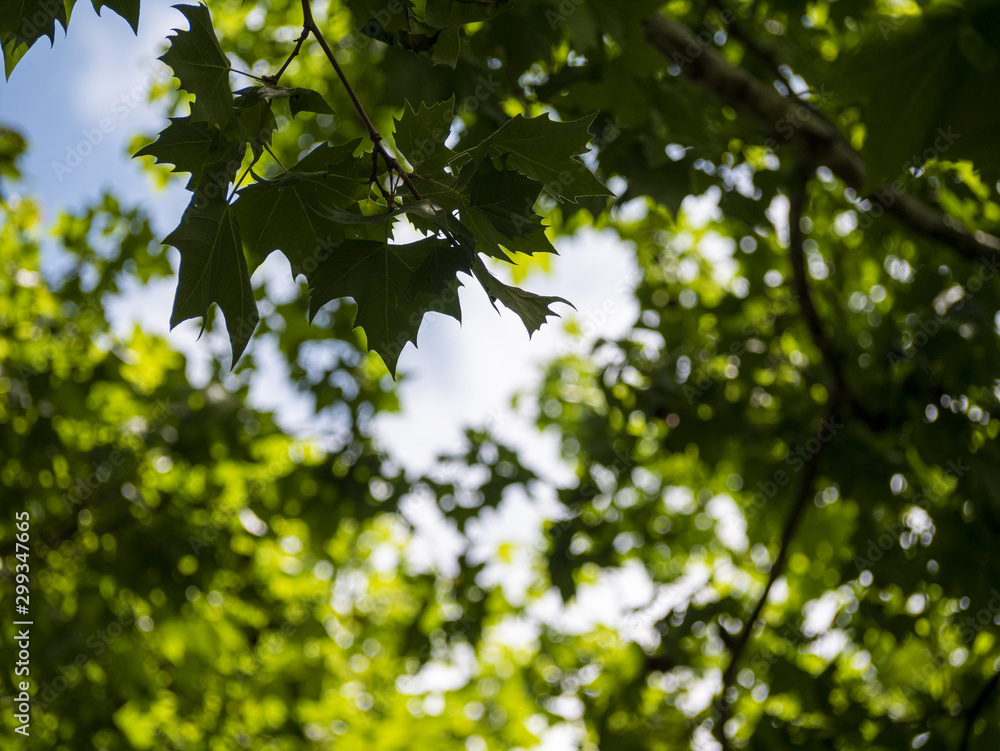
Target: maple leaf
[[420, 135], [202, 68], [190, 146], [24, 22], [499, 212], [532, 309], [299, 100], [393, 286], [545, 150], [127, 9], [287, 214], [213, 270], [253, 126]]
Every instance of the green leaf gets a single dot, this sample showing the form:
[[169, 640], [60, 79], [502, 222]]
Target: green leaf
[[545, 150], [190, 146], [420, 135], [213, 270], [127, 9], [925, 95], [500, 210], [393, 286], [440, 14], [201, 67], [24, 22], [254, 126], [380, 18], [307, 100], [30, 20], [423, 208], [299, 100], [286, 213], [531, 308], [447, 47]]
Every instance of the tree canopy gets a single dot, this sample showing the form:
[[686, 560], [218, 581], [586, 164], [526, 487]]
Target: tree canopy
[[791, 456]]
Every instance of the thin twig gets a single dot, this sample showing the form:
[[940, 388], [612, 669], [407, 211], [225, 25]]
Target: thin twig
[[799, 504], [390, 161], [273, 80], [240, 181]]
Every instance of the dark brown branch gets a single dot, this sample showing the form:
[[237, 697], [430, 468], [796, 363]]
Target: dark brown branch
[[973, 712], [841, 391], [758, 101], [800, 503]]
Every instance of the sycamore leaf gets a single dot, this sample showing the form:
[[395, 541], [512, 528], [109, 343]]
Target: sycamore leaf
[[531, 308], [201, 67], [423, 208], [190, 146], [500, 210], [213, 270], [127, 9], [393, 286], [380, 18], [299, 100], [447, 47], [254, 125], [307, 100], [545, 150], [24, 22], [286, 213], [441, 14], [420, 135]]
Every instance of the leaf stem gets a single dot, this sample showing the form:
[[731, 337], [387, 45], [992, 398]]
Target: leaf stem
[[242, 178], [275, 158], [262, 79]]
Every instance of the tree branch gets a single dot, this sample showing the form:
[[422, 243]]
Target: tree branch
[[760, 102], [841, 392], [800, 503], [308, 24], [972, 713]]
